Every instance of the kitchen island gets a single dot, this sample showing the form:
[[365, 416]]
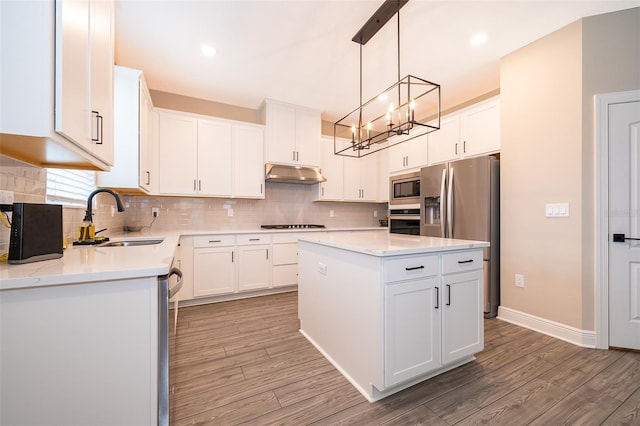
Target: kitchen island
[[390, 310]]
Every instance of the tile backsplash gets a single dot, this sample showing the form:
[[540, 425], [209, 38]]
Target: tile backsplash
[[283, 204]]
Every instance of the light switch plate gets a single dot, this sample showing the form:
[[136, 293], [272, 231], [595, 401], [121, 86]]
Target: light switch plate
[[557, 210]]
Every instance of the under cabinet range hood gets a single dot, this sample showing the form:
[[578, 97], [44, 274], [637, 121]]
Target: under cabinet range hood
[[293, 174]]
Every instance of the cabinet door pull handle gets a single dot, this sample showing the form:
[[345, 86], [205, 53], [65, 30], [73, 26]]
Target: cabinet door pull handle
[[215, 241], [464, 147], [199, 185], [267, 251], [294, 155], [254, 239], [437, 298], [100, 126], [97, 138], [231, 257], [323, 191], [465, 261], [194, 185], [148, 177], [414, 268], [456, 148], [261, 188], [448, 295]]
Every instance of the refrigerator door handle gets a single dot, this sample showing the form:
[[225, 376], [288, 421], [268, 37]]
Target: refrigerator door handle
[[450, 205], [443, 185]]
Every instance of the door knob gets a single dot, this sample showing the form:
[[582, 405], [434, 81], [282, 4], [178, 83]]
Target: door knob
[[620, 238]]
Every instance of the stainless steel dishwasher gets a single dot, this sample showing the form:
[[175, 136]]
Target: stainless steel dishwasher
[[164, 294]]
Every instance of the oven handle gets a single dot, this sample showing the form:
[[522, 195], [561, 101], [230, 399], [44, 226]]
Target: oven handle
[[176, 288], [405, 217]]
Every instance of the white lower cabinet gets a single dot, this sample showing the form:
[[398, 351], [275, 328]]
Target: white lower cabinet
[[214, 265], [284, 262], [254, 262], [431, 318], [462, 311], [412, 329]]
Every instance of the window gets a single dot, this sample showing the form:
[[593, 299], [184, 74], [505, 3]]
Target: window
[[70, 187]]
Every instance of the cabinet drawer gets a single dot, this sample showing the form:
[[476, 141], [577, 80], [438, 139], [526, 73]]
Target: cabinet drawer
[[461, 261], [251, 239], [409, 268], [214, 241]]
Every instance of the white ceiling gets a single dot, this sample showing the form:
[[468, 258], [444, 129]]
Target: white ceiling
[[300, 51]]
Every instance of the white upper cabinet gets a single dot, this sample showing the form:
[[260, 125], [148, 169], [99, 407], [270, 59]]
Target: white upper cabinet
[[383, 175], [411, 154], [101, 46], [480, 129], [57, 94], [361, 178], [84, 75], [443, 143], [135, 148], [293, 134], [333, 170], [248, 161], [178, 144], [469, 132], [215, 158], [210, 157]]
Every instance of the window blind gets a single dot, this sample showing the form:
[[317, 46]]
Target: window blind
[[70, 187]]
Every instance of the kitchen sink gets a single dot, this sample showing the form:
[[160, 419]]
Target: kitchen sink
[[127, 243]]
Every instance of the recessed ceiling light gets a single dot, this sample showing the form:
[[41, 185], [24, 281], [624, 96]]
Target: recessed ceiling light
[[478, 39], [208, 50]]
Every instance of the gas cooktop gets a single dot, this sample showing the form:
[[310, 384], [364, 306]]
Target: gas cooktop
[[292, 226]]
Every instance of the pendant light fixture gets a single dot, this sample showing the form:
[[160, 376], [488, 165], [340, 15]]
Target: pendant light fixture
[[407, 109]]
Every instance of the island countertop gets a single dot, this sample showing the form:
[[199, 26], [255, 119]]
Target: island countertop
[[384, 244]]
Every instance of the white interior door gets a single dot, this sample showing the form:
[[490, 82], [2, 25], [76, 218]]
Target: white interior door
[[624, 218]]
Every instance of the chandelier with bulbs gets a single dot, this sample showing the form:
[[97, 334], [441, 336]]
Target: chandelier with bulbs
[[407, 109]]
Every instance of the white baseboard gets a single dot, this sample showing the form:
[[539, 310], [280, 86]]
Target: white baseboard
[[583, 338]]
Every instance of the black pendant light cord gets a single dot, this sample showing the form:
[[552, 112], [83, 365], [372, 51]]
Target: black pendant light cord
[[398, 53]]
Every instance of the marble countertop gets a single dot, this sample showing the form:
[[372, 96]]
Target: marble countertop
[[385, 244], [81, 264]]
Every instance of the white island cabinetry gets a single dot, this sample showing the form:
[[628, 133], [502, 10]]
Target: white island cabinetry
[[402, 308]]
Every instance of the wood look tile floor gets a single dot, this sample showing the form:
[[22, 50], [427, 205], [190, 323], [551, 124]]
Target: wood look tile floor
[[244, 362]]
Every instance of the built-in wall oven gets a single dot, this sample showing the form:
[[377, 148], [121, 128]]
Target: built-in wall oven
[[404, 189], [404, 219]]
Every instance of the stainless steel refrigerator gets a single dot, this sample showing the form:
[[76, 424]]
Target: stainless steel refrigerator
[[461, 199]]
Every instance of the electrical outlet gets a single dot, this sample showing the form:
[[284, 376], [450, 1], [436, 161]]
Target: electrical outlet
[[229, 212], [322, 268], [375, 213], [155, 211], [332, 213], [519, 280]]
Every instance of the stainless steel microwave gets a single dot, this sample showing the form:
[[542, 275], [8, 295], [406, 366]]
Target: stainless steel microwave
[[404, 189]]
